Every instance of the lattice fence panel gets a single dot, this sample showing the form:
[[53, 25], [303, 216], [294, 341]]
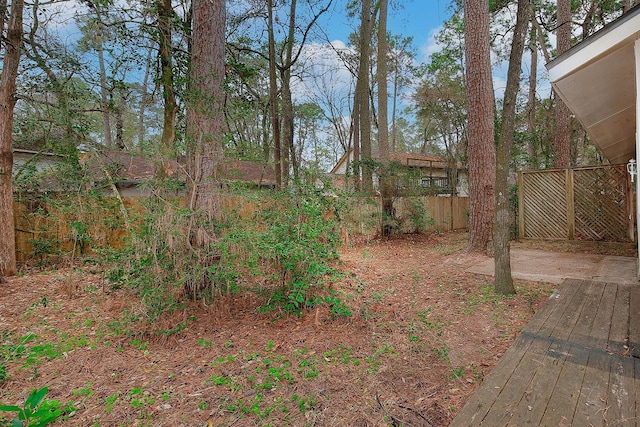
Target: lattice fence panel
[[545, 207], [600, 197]]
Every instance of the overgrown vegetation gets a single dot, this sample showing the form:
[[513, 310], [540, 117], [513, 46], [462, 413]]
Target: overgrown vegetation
[[281, 246]]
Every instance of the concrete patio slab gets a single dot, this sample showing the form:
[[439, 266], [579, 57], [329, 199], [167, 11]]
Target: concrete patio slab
[[554, 267]]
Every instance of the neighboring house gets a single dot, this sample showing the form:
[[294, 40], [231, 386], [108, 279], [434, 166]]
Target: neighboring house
[[41, 161], [258, 174], [129, 172], [426, 173]]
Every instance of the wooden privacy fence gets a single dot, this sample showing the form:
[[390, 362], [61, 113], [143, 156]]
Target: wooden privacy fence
[[364, 214], [65, 227], [594, 204]]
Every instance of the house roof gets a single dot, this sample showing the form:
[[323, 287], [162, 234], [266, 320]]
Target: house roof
[[129, 169], [259, 173], [596, 79], [139, 168]]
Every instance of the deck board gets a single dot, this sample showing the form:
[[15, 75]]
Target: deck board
[[570, 366], [620, 406], [634, 321], [561, 406], [591, 407], [478, 405]]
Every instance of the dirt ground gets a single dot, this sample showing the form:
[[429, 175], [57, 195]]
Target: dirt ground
[[421, 337]]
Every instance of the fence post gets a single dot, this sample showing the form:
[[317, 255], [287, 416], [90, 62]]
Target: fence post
[[571, 217]]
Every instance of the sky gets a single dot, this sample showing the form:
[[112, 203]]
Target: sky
[[419, 19]]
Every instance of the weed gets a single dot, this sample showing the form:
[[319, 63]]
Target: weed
[[308, 368], [443, 352], [418, 215], [139, 344], [338, 308], [140, 398], [220, 380], [378, 296], [205, 343], [457, 372], [110, 401], [413, 337], [36, 410], [87, 391]]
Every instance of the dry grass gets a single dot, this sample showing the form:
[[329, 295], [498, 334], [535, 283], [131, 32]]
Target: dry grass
[[422, 335]]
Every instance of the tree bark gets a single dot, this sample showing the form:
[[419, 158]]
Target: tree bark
[[362, 96], [383, 125], [502, 227], [273, 91], [104, 90], [480, 128], [562, 141], [287, 98], [165, 53], [532, 99], [205, 117], [144, 101], [11, 60]]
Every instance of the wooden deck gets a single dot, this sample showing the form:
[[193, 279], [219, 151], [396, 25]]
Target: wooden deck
[[577, 363]]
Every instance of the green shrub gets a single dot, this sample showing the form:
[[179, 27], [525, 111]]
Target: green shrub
[[286, 241]]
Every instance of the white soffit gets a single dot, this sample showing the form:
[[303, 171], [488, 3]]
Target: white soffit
[[596, 80], [624, 29]]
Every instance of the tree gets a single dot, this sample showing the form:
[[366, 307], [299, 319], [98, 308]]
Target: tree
[[480, 128], [502, 227], [96, 37], [383, 125], [166, 15], [273, 91], [403, 73], [362, 110], [205, 119], [441, 98], [12, 53], [562, 141]]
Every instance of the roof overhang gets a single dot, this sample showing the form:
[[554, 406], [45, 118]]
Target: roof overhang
[[596, 79]]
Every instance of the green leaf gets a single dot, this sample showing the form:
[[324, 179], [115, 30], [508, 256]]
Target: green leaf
[[10, 408], [36, 397]]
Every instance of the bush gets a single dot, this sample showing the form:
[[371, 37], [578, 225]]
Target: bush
[[286, 242]]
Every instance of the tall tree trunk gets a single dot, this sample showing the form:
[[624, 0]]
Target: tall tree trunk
[[144, 101], [58, 87], [532, 99], [562, 141], [165, 53], [3, 18], [362, 96], [11, 60], [394, 131], [205, 117], [383, 125], [120, 110], [480, 128], [273, 92], [357, 170], [287, 98], [502, 227], [104, 90]]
